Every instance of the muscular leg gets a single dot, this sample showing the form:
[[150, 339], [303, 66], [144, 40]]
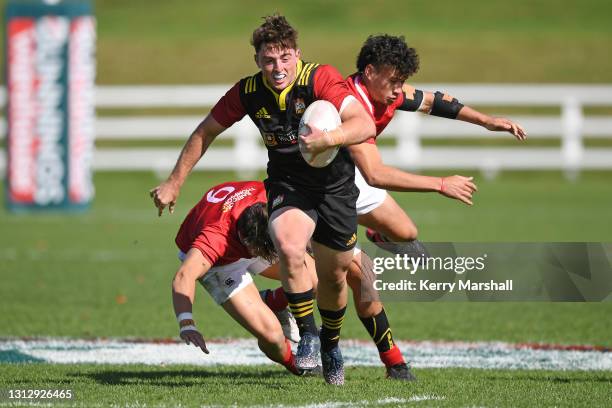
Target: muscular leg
[[331, 266], [374, 318], [247, 308], [391, 228], [390, 220], [291, 229]]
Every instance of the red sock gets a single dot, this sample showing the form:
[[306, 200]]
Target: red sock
[[392, 357], [289, 359], [276, 299]]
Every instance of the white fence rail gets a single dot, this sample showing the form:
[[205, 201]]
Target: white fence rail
[[249, 154]]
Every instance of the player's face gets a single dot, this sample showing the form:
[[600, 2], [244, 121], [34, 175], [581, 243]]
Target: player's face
[[384, 83], [278, 65]]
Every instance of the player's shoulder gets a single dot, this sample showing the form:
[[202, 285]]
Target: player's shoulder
[[326, 70], [250, 84], [306, 73]]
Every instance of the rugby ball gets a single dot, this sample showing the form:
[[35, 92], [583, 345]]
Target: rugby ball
[[322, 115]]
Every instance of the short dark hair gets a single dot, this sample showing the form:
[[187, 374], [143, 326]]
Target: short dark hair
[[383, 49], [252, 228], [275, 30]]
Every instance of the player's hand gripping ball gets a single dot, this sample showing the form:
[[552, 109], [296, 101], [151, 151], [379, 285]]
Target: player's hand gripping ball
[[322, 115]]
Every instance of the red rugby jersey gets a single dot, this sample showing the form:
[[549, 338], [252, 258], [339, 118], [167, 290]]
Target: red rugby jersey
[[381, 113], [210, 226]]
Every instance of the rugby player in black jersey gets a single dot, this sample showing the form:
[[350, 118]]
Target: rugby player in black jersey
[[305, 204]]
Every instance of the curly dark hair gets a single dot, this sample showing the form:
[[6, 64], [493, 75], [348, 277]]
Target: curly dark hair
[[383, 49], [252, 227], [275, 30]]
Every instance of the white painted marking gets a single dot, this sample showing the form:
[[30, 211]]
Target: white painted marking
[[358, 353]]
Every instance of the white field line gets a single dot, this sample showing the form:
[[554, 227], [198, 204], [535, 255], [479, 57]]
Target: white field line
[[364, 403], [488, 355]]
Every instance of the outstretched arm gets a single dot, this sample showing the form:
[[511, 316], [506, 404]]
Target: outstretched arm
[[183, 294], [367, 158], [166, 194], [443, 105]]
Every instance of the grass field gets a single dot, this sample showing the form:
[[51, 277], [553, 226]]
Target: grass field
[[116, 262], [107, 272], [138, 386]]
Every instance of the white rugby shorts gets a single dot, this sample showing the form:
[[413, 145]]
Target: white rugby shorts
[[370, 197], [224, 281]]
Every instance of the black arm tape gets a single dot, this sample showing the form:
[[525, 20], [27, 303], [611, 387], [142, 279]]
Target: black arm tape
[[412, 103], [445, 108]]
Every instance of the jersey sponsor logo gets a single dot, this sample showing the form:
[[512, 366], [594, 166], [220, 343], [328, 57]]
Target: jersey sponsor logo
[[288, 136], [216, 196], [352, 240], [229, 203], [277, 200], [262, 114], [300, 106], [269, 139]]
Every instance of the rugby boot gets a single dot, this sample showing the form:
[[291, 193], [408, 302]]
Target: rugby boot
[[307, 356], [400, 372], [333, 366], [288, 324]]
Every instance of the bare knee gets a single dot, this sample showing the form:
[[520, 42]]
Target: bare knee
[[402, 233], [272, 343], [291, 254], [334, 281]]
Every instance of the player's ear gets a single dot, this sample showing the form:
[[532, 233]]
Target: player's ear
[[369, 71], [256, 61], [298, 53]]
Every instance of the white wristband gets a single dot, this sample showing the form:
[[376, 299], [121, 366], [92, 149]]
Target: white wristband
[[184, 316], [190, 327]]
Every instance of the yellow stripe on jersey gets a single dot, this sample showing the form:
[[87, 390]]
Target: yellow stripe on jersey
[[301, 76], [250, 85], [306, 75]]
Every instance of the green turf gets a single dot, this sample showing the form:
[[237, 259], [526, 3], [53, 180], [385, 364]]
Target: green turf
[[107, 272], [156, 386]]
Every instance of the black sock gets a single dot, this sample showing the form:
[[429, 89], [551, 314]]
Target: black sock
[[302, 306], [330, 332], [380, 331]]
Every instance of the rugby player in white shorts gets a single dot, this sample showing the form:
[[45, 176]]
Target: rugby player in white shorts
[[222, 241], [383, 65]]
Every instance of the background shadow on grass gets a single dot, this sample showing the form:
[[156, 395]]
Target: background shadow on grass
[[173, 378], [587, 378]]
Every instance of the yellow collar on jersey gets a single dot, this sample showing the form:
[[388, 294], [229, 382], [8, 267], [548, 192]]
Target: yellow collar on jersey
[[281, 98]]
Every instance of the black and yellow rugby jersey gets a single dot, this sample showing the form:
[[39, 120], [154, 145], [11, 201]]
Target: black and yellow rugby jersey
[[278, 118]]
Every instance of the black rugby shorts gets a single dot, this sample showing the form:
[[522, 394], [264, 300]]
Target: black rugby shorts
[[334, 214]]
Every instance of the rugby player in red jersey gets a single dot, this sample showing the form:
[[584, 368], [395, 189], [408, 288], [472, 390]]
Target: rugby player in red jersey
[[384, 64], [223, 240], [304, 202]]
